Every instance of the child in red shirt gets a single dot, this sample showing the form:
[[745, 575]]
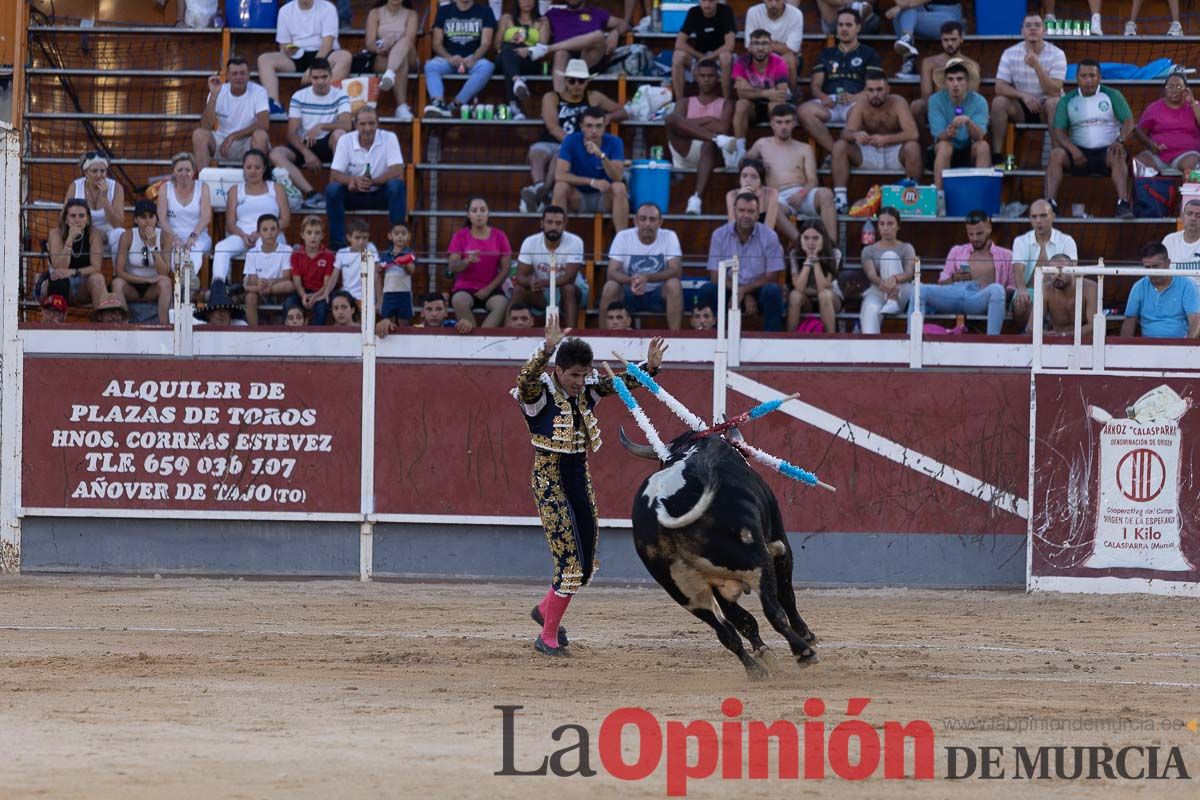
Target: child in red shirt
[[313, 272]]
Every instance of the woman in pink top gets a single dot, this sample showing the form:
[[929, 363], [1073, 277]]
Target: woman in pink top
[[480, 256], [1170, 129]]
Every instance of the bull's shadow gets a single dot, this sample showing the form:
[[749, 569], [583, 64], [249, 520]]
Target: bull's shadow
[[708, 528]]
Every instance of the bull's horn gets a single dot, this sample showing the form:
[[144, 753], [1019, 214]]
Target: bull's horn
[[639, 450], [735, 435]]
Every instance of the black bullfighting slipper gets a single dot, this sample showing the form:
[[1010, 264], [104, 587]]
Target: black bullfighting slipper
[[546, 649], [536, 615]]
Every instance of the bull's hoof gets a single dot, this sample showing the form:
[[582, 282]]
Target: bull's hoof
[[546, 649], [757, 672], [808, 660], [536, 614]]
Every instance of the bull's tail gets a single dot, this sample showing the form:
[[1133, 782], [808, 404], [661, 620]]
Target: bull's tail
[[697, 511]]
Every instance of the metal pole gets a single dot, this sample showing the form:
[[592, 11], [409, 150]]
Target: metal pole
[[916, 321], [1038, 315], [552, 305], [1099, 326], [721, 353], [735, 316], [1077, 333], [366, 531], [11, 356]]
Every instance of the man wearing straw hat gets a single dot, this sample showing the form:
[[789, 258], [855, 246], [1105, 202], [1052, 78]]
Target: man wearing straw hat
[[557, 407], [110, 309]]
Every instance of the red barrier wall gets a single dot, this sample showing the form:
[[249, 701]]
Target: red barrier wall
[[236, 435], [451, 441]]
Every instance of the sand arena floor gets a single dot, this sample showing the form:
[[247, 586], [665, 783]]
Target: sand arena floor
[[182, 688]]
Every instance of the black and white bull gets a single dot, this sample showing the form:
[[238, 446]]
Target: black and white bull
[[708, 528]]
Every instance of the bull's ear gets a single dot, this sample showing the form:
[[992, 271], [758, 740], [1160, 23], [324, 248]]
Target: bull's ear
[[639, 450]]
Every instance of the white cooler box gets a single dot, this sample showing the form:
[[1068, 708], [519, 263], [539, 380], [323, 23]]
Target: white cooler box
[[219, 181]]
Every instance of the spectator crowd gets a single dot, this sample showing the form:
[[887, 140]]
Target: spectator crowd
[[782, 225]]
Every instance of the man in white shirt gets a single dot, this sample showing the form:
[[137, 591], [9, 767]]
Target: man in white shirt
[[1029, 81], [644, 265], [234, 119], [366, 173], [785, 23], [317, 117], [305, 30], [1184, 246], [554, 246], [1036, 248]]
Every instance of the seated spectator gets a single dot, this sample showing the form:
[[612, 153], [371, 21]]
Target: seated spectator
[[313, 271], [829, 9], [1166, 307], [245, 203], [462, 49], [562, 113], [343, 307], [480, 257], [920, 19], [194, 13], [957, 122], [785, 24], [1169, 129], [520, 30], [235, 117], [1058, 301], [616, 317], [305, 31], [434, 312], [698, 129], [590, 171], [519, 316], [1176, 28], [553, 253], [141, 270], [349, 259], [76, 252], [1183, 246], [838, 79], [933, 69], [267, 276], [293, 316], [1036, 248], [880, 134], [704, 318], [752, 176], [393, 279], [1090, 127], [318, 116], [185, 205], [366, 173], [760, 261], [579, 31], [53, 310], [815, 264], [104, 196], [890, 266], [708, 32], [974, 278], [644, 265], [760, 81], [220, 310], [1029, 81], [1094, 7], [110, 310], [391, 35], [792, 169]]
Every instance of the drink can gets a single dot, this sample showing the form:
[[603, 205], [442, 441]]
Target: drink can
[[1077, 28], [465, 111], [479, 111], [1051, 27], [489, 111], [502, 112], [1087, 28], [656, 153], [1010, 163]]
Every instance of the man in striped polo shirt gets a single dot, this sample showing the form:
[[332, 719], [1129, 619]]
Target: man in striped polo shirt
[[1029, 80], [1091, 125], [318, 115]]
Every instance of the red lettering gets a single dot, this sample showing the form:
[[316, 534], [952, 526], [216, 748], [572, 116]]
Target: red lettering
[[894, 735], [731, 739], [649, 750], [787, 742], [814, 740], [868, 744], [678, 768]]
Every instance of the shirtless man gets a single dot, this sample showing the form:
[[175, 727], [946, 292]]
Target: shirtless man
[[1059, 303], [792, 170], [699, 128], [952, 40], [880, 134]]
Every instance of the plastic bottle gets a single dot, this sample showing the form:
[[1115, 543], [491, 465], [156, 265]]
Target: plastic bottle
[[868, 233], [656, 17]]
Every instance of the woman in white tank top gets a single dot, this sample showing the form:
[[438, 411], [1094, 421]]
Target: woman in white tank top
[[105, 197], [188, 220], [247, 202], [142, 270]]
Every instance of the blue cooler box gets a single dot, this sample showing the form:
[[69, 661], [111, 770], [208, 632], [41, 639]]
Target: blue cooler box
[[999, 17], [251, 13], [673, 14], [650, 182], [971, 189], [911, 201]]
